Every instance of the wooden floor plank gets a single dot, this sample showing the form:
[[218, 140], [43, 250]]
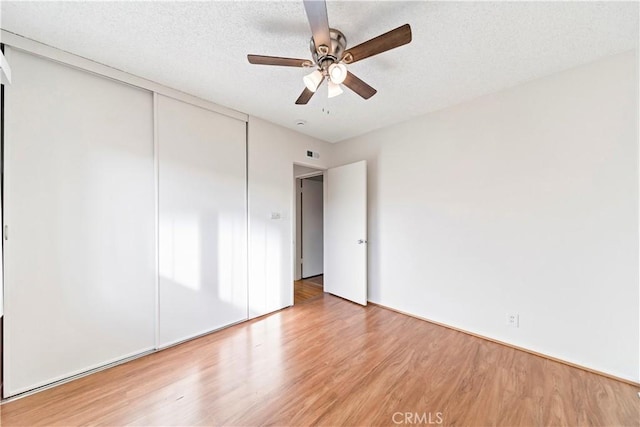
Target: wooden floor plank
[[331, 362], [307, 289]]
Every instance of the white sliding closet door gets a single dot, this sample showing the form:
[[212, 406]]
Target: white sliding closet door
[[203, 222], [79, 205]]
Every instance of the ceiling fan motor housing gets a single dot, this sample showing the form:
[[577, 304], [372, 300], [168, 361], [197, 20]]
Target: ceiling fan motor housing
[[324, 56]]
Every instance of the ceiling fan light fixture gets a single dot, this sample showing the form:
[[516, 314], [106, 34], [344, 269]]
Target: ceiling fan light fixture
[[313, 80], [337, 73], [334, 89]]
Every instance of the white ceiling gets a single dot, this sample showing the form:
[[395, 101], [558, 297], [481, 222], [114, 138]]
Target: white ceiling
[[460, 50]]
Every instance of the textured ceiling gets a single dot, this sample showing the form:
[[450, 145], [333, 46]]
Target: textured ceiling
[[460, 50]]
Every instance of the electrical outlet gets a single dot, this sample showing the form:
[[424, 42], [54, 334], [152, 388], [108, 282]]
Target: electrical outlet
[[513, 320]]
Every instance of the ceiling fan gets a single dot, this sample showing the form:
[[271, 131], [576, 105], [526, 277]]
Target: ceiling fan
[[331, 56]]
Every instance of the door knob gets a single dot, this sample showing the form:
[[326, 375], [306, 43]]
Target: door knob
[[361, 241]]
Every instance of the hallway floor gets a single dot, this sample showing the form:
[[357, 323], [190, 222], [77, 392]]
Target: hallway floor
[[307, 289]]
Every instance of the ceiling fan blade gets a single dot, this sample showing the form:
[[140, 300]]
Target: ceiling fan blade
[[304, 97], [358, 86], [277, 60], [384, 42], [319, 21], [306, 94]]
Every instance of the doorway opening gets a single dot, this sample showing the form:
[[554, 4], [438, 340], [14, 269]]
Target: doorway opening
[[309, 234]]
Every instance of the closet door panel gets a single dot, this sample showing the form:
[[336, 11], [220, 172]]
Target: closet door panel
[[203, 223], [80, 267]]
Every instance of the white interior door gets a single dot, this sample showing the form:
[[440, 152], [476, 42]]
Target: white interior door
[[312, 242], [203, 220], [345, 231]]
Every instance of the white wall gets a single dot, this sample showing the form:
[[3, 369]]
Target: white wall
[[303, 170], [526, 201], [272, 152]]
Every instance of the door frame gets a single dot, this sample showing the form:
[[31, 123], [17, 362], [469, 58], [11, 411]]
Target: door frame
[[295, 268]]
